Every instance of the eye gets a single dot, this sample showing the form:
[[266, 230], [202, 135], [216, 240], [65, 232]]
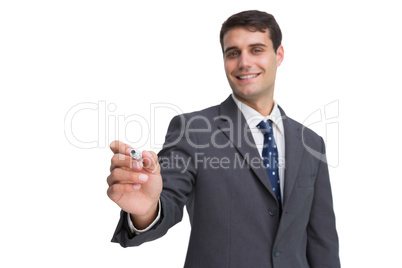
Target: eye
[[257, 50], [232, 54]]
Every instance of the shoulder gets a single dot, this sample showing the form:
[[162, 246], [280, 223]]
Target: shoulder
[[308, 137], [184, 125], [226, 109], [209, 112], [202, 117]]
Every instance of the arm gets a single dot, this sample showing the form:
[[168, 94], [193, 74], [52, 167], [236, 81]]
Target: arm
[[178, 173], [140, 231], [322, 244]]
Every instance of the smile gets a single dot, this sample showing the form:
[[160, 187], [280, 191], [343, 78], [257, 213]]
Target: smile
[[248, 76]]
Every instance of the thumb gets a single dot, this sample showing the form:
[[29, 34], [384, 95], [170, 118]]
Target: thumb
[[151, 163]]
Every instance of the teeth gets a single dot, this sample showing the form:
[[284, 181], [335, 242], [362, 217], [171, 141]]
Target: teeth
[[247, 76]]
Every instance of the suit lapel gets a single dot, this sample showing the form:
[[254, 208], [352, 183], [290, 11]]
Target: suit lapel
[[293, 154], [234, 126]]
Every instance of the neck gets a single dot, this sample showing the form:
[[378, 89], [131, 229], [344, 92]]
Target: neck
[[262, 105]]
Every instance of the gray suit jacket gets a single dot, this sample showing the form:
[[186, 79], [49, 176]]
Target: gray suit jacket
[[210, 164]]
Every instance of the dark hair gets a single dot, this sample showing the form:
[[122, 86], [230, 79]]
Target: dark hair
[[254, 20]]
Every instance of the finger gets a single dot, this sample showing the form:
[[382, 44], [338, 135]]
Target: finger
[[120, 161], [151, 163], [119, 175], [124, 161], [120, 147], [116, 191]]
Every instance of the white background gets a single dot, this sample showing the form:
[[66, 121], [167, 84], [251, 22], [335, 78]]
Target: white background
[[122, 57]]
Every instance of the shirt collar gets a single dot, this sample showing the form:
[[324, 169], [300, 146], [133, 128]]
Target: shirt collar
[[253, 117]]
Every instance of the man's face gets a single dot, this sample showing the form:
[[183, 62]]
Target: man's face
[[251, 63]]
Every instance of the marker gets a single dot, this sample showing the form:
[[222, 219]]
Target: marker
[[136, 154]]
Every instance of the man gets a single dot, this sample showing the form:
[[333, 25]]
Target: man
[[255, 195]]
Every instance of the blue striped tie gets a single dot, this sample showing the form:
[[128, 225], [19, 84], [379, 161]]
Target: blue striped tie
[[270, 157]]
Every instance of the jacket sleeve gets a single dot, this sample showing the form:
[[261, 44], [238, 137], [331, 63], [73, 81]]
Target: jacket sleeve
[[322, 238], [178, 175]]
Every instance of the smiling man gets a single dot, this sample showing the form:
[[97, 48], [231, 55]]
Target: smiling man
[[250, 64], [255, 196]]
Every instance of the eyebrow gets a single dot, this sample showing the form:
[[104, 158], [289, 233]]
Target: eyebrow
[[252, 45]]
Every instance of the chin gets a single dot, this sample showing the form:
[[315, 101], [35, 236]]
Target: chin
[[247, 94]]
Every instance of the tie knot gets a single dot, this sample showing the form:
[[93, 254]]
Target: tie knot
[[265, 127]]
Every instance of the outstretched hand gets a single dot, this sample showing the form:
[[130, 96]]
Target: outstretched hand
[[135, 186]]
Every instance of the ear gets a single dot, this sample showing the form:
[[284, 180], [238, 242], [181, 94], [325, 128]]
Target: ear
[[280, 54]]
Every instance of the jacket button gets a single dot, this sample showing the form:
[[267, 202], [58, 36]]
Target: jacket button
[[276, 253], [272, 211]]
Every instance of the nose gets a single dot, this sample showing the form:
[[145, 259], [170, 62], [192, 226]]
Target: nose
[[244, 61]]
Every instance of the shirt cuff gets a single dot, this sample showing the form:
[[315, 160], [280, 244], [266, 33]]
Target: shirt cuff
[[135, 230]]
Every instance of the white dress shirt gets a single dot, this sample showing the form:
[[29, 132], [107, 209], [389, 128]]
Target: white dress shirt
[[253, 118]]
